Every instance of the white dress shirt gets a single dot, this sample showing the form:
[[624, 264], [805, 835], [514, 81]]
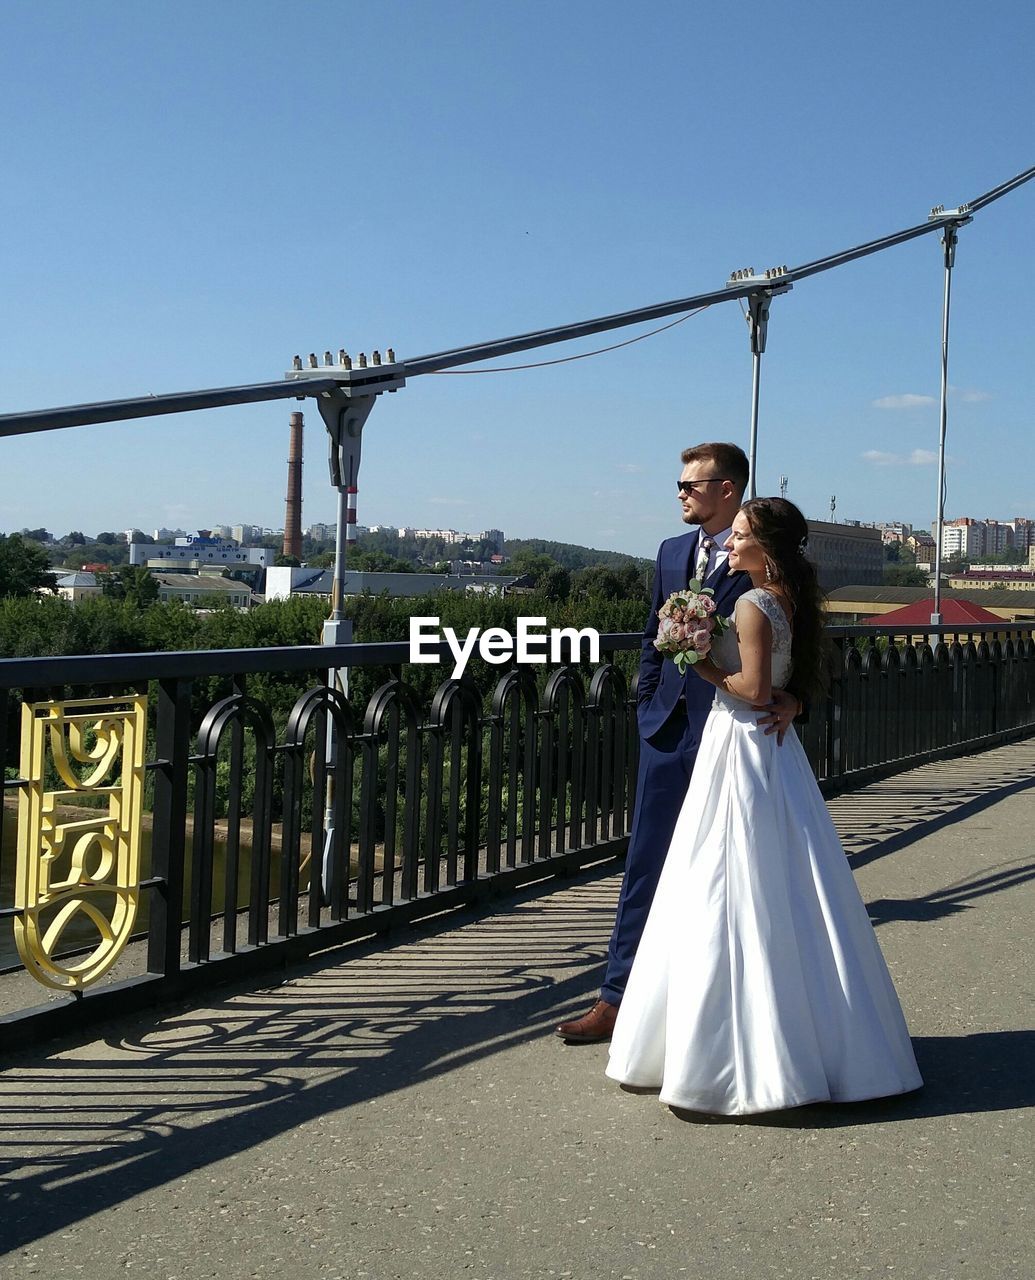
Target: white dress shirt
[[718, 555]]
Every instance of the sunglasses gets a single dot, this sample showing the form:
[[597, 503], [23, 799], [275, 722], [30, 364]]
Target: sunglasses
[[688, 486]]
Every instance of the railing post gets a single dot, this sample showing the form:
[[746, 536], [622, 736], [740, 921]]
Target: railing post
[[172, 745], [4, 699], [834, 713]]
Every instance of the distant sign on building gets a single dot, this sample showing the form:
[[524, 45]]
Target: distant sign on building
[[196, 549]]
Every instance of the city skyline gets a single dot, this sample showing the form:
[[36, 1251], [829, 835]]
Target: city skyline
[[195, 248], [326, 532]]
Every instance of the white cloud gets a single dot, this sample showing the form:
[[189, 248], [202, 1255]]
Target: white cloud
[[631, 468], [918, 458], [971, 395], [906, 401]]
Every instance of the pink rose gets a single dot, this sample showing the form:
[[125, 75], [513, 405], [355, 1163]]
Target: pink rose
[[701, 639], [707, 604]]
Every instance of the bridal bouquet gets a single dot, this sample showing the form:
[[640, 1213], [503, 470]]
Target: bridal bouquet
[[687, 623]]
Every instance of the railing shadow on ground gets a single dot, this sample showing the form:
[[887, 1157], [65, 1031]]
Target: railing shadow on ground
[[110, 1120], [903, 809], [143, 1110], [953, 898]]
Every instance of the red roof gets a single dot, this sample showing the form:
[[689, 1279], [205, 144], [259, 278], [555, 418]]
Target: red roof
[[919, 613]]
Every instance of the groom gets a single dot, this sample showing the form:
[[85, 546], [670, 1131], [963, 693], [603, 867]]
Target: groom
[[672, 709]]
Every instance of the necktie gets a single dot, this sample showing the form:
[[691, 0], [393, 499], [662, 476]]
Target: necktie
[[704, 550]]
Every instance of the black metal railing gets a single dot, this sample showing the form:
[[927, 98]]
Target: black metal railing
[[489, 783]]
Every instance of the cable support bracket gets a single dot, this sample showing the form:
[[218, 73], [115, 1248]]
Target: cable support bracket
[[770, 282], [950, 231], [358, 377]]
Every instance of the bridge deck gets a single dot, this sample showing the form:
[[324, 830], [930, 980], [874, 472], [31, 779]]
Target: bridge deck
[[409, 1114]]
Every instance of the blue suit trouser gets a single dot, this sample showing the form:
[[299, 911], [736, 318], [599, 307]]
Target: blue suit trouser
[[666, 763]]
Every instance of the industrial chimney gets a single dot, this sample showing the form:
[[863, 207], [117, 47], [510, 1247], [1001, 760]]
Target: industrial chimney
[[293, 510]]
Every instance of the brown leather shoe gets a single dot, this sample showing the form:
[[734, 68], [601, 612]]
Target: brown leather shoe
[[595, 1025]]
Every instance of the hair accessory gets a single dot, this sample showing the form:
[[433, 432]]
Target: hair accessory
[[768, 572], [803, 546]]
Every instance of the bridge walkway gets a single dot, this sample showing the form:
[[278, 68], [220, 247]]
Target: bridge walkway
[[409, 1114]]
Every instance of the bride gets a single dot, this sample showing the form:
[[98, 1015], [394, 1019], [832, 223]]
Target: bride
[[758, 983]]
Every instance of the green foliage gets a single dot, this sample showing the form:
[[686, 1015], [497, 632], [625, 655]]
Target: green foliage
[[904, 575], [429, 553], [132, 583], [109, 553], [1011, 556], [602, 582], [571, 555], [24, 567], [378, 562], [532, 564], [43, 626]]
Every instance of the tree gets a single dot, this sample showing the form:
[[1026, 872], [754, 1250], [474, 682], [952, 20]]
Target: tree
[[600, 582], [904, 575], [24, 567], [377, 562], [533, 563], [555, 583], [107, 539], [75, 539], [130, 582]]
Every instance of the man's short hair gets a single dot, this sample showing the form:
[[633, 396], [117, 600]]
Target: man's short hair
[[729, 460]]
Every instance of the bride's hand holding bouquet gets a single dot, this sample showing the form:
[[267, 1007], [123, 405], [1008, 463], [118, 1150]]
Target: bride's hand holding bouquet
[[687, 624]]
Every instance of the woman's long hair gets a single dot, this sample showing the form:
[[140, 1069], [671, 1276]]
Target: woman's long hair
[[780, 530]]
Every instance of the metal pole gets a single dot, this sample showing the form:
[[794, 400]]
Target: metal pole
[[949, 238], [344, 416], [758, 326], [340, 546], [756, 370]]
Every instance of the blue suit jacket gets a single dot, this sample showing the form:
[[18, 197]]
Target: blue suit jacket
[[660, 684]]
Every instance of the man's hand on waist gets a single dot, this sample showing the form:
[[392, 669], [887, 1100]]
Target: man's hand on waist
[[779, 713]]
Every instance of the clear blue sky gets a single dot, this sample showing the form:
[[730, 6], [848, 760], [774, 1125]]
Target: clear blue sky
[[193, 192]]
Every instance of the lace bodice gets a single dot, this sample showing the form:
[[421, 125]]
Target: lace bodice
[[726, 651]]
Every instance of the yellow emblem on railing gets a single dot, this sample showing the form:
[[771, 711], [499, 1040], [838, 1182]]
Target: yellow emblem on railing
[[78, 878]]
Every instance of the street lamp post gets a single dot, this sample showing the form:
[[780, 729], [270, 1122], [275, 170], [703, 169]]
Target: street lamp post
[[770, 283], [344, 408], [949, 237]]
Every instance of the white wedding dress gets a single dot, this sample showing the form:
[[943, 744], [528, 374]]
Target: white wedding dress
[[758, 983]]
